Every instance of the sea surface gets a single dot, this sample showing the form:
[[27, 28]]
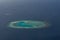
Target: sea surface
[[40, 10]]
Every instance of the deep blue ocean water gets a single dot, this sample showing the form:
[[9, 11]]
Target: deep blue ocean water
[[45, 10]]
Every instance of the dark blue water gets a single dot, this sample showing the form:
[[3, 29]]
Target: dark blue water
[[46, 10]]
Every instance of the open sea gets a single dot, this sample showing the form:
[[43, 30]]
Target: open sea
[[40, 10]]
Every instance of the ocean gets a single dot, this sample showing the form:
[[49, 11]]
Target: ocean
[[40, 10]]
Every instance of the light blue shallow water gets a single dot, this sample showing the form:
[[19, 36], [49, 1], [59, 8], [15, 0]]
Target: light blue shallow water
[[46, 10], [28, 24]]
